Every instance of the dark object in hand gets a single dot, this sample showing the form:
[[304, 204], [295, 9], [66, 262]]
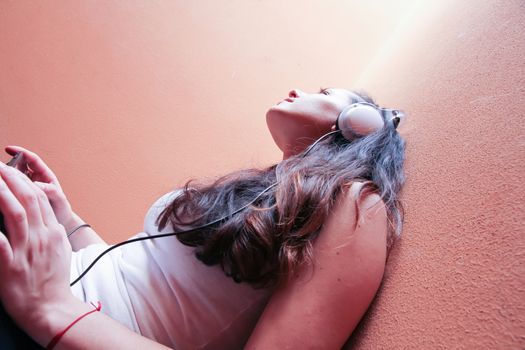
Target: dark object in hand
[[2, 227], [13, 162]]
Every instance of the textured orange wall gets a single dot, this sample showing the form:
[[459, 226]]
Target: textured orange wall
[[457, 278], [126, 100]]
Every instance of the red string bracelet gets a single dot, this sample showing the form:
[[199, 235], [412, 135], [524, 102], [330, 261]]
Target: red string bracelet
[[57, 337]]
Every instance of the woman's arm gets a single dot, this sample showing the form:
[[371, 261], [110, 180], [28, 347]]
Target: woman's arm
[[320, 307], [95, 331], [35, 258], [84, 236], [46, 180]]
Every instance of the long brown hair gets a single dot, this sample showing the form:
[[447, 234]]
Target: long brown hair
[[268, 240]]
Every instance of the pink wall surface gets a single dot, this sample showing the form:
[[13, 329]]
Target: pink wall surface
[[456, 280], [128, 100]]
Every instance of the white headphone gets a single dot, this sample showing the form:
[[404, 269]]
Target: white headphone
[[362, 118]]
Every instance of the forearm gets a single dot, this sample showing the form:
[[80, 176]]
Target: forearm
[[84, 236], [94, 331]]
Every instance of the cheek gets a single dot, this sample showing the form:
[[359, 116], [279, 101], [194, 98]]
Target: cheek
[[327, 112]]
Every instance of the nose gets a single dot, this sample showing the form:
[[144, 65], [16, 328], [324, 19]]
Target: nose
[[295, 93]]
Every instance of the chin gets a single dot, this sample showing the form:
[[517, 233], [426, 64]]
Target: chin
[[275, 107], [272, 114]]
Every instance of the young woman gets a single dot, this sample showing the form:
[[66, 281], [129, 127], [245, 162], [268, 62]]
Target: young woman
[[292, 258]]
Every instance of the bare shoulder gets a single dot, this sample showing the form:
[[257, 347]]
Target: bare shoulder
[[356, 215], [327, 300], [352, 246]]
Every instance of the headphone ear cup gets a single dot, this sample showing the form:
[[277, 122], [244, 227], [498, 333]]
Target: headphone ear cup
[[359, 119]]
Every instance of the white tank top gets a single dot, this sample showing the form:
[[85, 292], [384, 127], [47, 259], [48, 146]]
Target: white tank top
[[159, 289]]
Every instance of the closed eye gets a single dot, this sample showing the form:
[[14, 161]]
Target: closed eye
[[324, 91]]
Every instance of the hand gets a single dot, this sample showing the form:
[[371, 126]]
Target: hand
[[35, 254], [43, 177]]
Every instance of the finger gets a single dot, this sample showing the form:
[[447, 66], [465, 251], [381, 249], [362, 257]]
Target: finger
[[12, 150], [14, 216], [24, 194], [46, 210], [35, 163], [24, 176], [50, 190], [18, 162], [53, 193], [36, 185]]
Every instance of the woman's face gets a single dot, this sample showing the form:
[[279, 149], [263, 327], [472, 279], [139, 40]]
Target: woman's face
[[299, 120]]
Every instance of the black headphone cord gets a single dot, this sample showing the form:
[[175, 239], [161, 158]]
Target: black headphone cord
[[192, 229]]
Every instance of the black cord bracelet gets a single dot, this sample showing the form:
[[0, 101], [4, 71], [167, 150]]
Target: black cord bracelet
[[77, 228]]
